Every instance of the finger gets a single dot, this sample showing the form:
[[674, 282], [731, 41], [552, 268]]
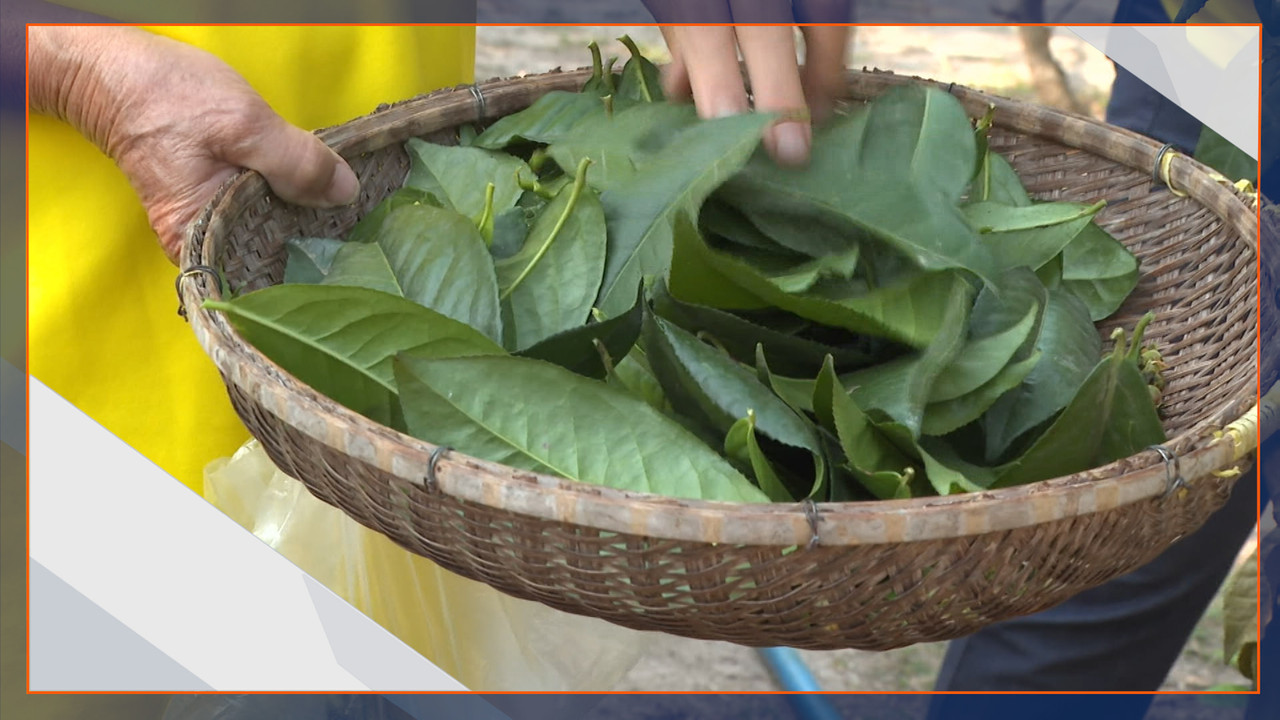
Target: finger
[[825, 56], [710, 56], [770, 55], [675, 76], [298, 166]]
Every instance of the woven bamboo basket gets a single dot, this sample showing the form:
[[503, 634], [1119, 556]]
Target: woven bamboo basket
[[868, 575]]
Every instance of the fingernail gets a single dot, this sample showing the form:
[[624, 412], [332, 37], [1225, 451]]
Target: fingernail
[[344, 188], [791, 143]]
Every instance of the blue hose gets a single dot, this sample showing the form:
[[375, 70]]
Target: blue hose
[[793, 675]]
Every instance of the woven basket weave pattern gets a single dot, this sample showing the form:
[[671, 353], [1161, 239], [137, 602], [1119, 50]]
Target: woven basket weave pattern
[[881, 575]]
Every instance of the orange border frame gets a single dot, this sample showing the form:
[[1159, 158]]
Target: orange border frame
[[27, 389]]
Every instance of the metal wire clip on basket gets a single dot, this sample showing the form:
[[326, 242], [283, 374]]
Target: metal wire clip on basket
[[869, 575]]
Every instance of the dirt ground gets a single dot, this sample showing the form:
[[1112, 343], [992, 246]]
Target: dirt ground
[[987, 58]]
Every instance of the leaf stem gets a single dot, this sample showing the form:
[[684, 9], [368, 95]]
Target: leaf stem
[[486, 217], [597, 68], [579, 182], [638, 58]]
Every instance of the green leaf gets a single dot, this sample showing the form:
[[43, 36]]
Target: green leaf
[[948, 473], [798, 278], [710, 387], [1111, 416], [551, 284], [340, 340], [309, 259], [896, 173], [479, 406], [723, 221], [432, 256], [997, 181], [510, 230], [641, 81], [1003, 319], [579, 349], [618, 143], [872, 458], [366, 230], [910, 311], [941, 418], [602, 82], [1069, 349], [364, 265], [791, 355], [642, 211], [1099, 270], [552, 118], [740, 445], [796, 392], [1028, 236], [634, 376], [459, 176], [901, 388]]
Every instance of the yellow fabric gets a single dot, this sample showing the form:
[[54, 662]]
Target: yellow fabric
[[104, 331], [1217, 11]]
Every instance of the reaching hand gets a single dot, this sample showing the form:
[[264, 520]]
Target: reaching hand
[[705, 66], [178, 121]]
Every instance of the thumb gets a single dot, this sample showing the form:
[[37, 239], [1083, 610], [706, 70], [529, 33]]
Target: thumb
[[298, 166]]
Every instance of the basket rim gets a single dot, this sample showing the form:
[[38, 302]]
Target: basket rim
[[1126, 481]]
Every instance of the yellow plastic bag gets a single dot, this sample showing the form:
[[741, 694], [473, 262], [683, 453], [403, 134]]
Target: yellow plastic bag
[[485, 639]]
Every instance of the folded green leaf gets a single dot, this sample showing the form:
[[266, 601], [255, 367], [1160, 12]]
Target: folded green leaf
[[941, 418], [309, 259], [910, 312], [1111, 416], [1069, 349], [901, 388], [459, 176], [788, 353], [796, 392], [510, 230], [997, 181], [593, 348], [872, 458], [479, 406], [641, 81], [986, 352], [722, 221], [366, 230], [340, 340], [708, 385], [1029, 236], [633, 376], [1099, 270], [740, 445], [550, 286]]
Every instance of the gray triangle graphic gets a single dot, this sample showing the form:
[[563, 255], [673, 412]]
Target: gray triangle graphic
[[76, 645]]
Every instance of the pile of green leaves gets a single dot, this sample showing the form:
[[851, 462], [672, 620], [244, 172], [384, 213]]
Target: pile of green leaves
[[606, 288]]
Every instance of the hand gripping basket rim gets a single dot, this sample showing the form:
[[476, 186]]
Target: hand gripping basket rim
[[1199, 451]]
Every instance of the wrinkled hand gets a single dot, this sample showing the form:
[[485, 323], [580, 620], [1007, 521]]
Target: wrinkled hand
[[178, 121], [705, 65]]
